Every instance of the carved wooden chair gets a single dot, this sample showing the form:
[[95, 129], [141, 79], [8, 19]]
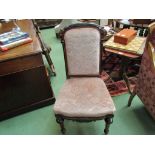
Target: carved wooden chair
[[84, 96], [145, 87], [64, 23]]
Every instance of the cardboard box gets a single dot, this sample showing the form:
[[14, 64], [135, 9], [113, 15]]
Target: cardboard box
[[125, 36]]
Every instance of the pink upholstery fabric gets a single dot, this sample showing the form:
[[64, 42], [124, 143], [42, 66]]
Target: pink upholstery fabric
[[82, 50], [145, 87], [84, 97], [152, 38]]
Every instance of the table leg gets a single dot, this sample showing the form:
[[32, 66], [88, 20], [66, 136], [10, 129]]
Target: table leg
[[124, 66]]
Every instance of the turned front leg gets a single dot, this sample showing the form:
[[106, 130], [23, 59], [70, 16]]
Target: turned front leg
[[60, 121], [108, 121]]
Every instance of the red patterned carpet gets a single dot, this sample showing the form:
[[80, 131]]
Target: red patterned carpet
[[118, 87], [111, 65]]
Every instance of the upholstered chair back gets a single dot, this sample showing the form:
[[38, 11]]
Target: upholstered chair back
[[145, 87], [151, 36], [82, 50]]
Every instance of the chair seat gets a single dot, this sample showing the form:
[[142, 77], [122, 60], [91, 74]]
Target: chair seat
[[84, 97]]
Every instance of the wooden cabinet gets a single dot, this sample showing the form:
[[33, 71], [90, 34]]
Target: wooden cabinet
[[24, 84]]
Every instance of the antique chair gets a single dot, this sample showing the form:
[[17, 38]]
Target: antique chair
[[64, 23], [145, 87], [84, 96]]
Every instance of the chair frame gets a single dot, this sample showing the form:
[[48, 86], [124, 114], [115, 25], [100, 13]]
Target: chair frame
[[60, 118]]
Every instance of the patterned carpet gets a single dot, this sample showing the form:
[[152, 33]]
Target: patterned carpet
[[111, 65]]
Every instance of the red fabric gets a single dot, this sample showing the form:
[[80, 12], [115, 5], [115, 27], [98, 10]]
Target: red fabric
[[145, 87]]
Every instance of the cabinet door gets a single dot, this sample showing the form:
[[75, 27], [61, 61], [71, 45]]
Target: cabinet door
[[24, 91]]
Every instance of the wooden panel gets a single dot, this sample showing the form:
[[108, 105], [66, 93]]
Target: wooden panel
[[141, 21], [27, 49], [24, 89], [26, 108], [20, 64]]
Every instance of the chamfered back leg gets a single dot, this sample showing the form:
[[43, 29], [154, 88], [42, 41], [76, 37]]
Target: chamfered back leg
[[108, 121], [131, 98], [60, 121]]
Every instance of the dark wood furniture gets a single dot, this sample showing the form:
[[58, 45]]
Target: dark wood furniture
[[47, 23], [138, 24], [24, 84], [126, 57], [45, 48]]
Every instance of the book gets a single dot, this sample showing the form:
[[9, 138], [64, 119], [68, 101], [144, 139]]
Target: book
[[12, 36], [14, 44]]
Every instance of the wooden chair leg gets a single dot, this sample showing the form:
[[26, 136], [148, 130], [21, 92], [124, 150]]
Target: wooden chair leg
[[49, 60], [60, 121], [131, 98], [108, 121]]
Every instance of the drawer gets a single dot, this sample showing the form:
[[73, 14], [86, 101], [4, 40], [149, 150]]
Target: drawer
[[20, 64]]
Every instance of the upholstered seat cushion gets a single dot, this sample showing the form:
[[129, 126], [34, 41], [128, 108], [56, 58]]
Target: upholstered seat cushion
[[84, 97]]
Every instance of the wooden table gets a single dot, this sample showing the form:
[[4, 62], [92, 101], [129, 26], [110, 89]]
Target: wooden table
[[126, 58], [24, 84]]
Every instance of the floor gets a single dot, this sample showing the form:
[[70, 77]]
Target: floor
[[127, 121]]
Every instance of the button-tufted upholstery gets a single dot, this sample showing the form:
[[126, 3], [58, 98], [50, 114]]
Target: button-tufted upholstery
[[145, 87]]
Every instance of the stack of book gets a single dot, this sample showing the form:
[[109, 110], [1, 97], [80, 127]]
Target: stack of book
[[13, 39]]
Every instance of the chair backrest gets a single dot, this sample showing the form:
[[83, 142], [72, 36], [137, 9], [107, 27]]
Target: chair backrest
[[82, 50], [149, 50], [145, 87], [151, 36]]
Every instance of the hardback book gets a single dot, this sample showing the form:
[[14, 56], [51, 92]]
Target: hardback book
[[14, 44], [12, 36]]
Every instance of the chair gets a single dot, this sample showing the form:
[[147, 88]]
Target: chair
[[84, 96], [145, 87], [64, 23]]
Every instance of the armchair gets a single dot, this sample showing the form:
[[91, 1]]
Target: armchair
[[145, 87], [84, 96]]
